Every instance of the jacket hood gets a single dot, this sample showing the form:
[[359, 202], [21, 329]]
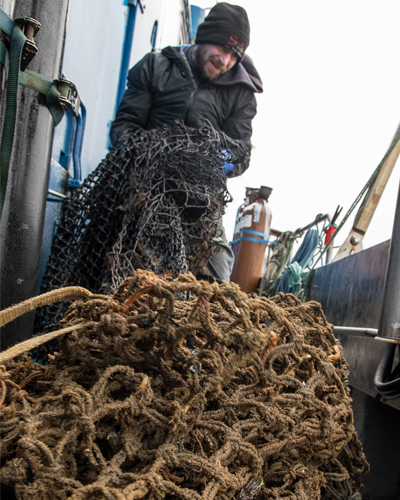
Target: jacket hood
[[243, 72]]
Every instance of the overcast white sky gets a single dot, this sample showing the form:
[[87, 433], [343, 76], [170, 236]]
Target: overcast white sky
[[330, 107]]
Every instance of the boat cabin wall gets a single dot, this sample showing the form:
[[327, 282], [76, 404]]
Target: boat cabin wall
[[94, 59], [93, 56]]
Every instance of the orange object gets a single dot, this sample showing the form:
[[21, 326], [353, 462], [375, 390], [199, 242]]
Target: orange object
[[251, 197], [251, 234], [329, 233]]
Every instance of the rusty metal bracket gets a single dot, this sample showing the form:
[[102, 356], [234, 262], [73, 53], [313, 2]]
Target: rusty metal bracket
[[69, 97], [29, 28]]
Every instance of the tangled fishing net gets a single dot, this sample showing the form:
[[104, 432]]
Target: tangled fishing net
[[224, 395], [153, 203]]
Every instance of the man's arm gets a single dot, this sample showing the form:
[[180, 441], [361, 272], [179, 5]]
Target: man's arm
[[238, 126], [135, 105]]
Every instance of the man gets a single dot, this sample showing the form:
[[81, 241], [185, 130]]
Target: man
[[211, 80]]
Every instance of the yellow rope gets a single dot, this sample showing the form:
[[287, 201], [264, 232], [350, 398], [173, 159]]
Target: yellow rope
[[68, 293], [35, 341]]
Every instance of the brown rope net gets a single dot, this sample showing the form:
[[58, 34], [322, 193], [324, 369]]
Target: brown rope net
[[220, 396]]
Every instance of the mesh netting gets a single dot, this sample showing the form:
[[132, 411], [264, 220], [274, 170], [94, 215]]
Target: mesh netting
[[152, 204], [223, 395]]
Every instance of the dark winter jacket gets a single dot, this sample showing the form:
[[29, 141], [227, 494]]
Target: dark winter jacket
[[162, 87]]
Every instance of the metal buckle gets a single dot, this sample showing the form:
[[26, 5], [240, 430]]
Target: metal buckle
[[69, 97], [29, 28]]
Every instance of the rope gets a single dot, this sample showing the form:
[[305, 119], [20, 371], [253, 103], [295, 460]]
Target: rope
[[223, 395], [37, 341], [68, 293], [303, 255], [277, 264], [294, 273], [287, 280]]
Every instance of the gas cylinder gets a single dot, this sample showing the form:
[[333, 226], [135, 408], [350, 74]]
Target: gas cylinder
[[251, 197], [251, 235]]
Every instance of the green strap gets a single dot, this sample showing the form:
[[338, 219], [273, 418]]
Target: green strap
[[6, 23], [4, 59], [53, 104], [295, 272], [30, 79], [17, 44]]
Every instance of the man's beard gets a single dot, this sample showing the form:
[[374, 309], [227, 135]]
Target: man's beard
[[200, 60]]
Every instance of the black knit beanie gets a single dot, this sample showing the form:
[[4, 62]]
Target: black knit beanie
[[228, 25]]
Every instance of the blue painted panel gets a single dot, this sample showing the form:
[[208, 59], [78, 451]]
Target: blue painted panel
[[92, 60], [197, 15]]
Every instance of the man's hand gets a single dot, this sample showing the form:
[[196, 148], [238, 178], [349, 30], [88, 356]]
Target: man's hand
[[227, 167]]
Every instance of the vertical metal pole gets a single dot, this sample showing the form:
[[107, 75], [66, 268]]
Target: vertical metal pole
[[389, 326], [24, 209], [126, 54]]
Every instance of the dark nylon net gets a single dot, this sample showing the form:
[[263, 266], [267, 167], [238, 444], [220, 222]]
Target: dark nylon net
[[152, 204], [222, 396]]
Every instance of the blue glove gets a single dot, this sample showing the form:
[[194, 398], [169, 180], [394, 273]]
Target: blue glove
[[227, 167]]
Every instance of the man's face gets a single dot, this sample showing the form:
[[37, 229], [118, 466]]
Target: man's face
[[214, 60]]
